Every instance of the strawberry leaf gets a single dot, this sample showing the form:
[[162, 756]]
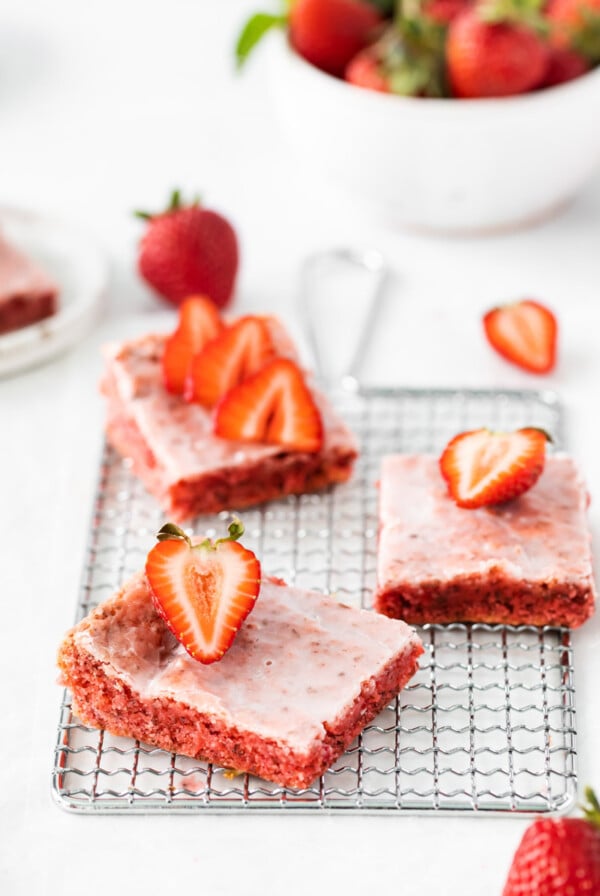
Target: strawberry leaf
[[586, 38], [253, 31], [170, 531], [385, 7]]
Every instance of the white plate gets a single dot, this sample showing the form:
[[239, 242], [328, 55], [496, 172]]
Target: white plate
[[79, 269]]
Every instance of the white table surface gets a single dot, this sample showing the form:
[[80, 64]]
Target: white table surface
[[103, 108]]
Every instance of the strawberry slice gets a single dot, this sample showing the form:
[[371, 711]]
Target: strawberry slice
[[199, 322], [273, 406], [483, 467], [236, 353], [524, 333], [203, 591]]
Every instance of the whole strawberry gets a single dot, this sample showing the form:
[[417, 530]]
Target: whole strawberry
[[189, 250], [559, 857], [494, 50], [327, 33], [407, 60], [575, 25], [564, 65]]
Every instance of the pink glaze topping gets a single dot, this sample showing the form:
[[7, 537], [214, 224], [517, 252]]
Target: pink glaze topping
[[425, 536], [20, 276], [297, 663], [180, 434]]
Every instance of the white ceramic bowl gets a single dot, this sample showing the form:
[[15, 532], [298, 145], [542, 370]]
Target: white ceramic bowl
[[442, 165]]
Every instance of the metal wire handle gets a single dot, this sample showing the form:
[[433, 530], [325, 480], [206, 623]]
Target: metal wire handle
[[312, 271]]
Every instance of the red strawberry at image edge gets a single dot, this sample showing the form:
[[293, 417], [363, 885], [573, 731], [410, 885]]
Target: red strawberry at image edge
[[203, 591], [189, 250], [493, 59], [559, 857], [483, 468], [524, 333], [329, 33]]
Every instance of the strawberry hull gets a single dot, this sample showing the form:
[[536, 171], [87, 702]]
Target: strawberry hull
[[174, 451], [302, 679], [526, 562]]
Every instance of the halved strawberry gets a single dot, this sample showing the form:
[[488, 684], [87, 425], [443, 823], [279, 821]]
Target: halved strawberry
[[273, 406], [524, 333], [236, 353], [483, 467], [199, 322], [203, 591]]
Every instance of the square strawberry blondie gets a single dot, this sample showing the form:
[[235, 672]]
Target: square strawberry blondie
[[304, 676], [527, 561], [190, 470]]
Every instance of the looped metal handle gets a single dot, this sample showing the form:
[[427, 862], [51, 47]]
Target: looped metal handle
[[314, 270]]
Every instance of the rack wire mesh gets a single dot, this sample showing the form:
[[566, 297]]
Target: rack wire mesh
[[487, 724]]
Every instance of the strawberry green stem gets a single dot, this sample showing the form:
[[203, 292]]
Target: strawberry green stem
[[175, 203], [170, 531], [591, 808], [235, 529], [517, 12]]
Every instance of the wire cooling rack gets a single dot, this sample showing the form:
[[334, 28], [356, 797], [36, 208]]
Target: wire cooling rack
[[488, 722]]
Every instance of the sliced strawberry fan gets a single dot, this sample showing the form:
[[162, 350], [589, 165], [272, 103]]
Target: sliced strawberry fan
[[199, 323], [275, 406], [229, 359], [203, 591]]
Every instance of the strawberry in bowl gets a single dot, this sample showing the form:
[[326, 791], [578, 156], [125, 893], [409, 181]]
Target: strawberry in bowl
[[443, 120]]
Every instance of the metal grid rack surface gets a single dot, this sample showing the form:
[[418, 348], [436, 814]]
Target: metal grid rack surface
[[488, 722]]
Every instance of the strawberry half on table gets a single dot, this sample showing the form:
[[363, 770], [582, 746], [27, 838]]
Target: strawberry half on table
[[559, 857], [484, 468], [189, 250], [524, 333], [203, 591], [199, 323]]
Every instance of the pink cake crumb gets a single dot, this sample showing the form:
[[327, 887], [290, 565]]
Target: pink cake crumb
[[524, 562], [302, 679], [190, 470]]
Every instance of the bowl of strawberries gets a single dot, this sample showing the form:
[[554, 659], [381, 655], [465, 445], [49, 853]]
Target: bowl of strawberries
[[441, 115]]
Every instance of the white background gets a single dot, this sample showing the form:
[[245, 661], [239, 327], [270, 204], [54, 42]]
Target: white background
[[103, 108]]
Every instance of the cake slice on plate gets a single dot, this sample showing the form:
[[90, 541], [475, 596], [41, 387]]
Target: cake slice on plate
[[250, 427], [522, 561], [27, 294], [304, 675]]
